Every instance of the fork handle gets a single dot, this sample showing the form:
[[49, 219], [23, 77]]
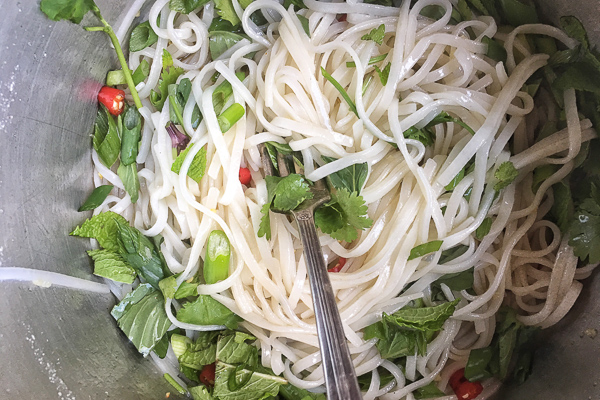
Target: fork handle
[[340, 378]]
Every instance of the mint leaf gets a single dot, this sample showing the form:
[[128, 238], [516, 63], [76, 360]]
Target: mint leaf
[[186, 6], [141, 72], [139, 252], [141, 316], [199, 353], [384, 73], [110, 265], [103, 228], [233, 349], [142, 36], [106, 141], [423, 318], [579, 76], [220, 41], [226, 11], [197, 167], [351, 178], [96, 198], [290, 192], [424, 249], [71, 10], [505, 174], [495, 50], [200, 393], [376, 34], [259, 386], [428, 391], [207, 311], [518, 12]]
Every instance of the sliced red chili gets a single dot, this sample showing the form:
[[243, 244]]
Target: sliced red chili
[[207, 375], [341, 17], [113, 99], [245, 176], [464, 389], [338, 267], [468, 390]]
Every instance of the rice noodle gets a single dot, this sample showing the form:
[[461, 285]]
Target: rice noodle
[[434, 67]]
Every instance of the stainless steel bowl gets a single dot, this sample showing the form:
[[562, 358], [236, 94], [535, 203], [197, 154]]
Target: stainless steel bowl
[[57, 343]]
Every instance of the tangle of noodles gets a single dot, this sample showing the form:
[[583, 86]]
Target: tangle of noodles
[[524, 260]]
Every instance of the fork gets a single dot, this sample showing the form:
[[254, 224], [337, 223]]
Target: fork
[[340, 378]]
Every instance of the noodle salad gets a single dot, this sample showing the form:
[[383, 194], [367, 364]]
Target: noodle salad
[[454, 137]]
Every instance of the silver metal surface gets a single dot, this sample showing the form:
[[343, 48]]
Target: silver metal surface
[[57, 343]]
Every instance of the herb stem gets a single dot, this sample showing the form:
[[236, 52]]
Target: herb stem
[[115, 41]]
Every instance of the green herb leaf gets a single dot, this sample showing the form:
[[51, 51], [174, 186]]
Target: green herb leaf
[[584, 231], [226, 11], [142, 36], [168, 286], [199, 353], [518, 12], [477, 365], [233, 349], [563, 208], [168, 76], [132, 125], [130, 179], [455, 181], [141, 316], [290, 192], [71, 10], [484, 228], [456, 281], [452, 253], [505, 174], [197, 167], [372, 60], [495, 50], [106, 137], [424, 249], [291, 392], [304, 22], [186, 289], [110, 265], [428, 391], [96, 198], [102, 227], [200, 393], [376, 35], [139, 252], [259, 386], [579, 76], [141, 72], [220, 41], [186, 6], [298, 4], [340, 89], [574, 28], [384, 73], [343, 216], [207, 311], [223, 93], [351, 178]]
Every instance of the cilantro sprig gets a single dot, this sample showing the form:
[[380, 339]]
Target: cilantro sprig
[[74, 11]]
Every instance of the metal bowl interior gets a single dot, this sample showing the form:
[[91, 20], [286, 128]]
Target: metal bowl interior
[[60, 343]]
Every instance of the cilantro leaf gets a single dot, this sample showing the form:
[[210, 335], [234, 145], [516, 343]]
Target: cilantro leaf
[[186, 6], [343, 216], [376, 34], [505, 174], [207, 311], [110, 265], [168, 77], [384, 73], [226, 11], [584, 231], [102, 227], [264, 228], [197, 167], [71, 10], [340, 89], [141, 316]]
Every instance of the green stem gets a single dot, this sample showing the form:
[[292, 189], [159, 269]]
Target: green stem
[[113, 38]]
